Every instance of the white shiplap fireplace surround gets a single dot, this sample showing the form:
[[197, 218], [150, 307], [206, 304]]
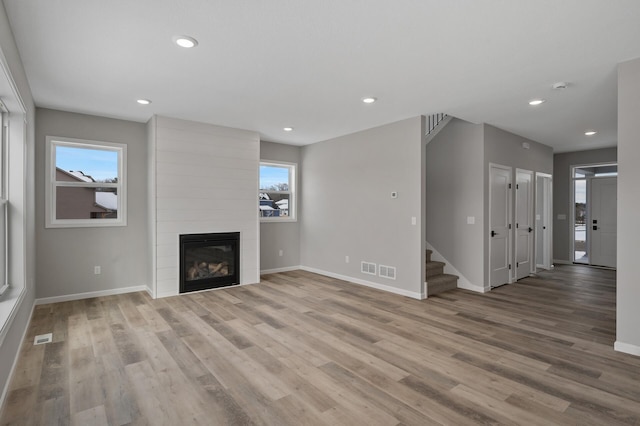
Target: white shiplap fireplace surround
[[203, 179]]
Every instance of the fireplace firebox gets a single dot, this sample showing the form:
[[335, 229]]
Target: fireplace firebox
[[209, 261]]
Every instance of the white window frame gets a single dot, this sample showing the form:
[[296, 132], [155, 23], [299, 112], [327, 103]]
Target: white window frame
[[51, 221], [293, 169], [4, 174]]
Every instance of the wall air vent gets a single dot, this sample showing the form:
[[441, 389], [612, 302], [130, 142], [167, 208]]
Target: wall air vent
[[368, 268], [388, 272]]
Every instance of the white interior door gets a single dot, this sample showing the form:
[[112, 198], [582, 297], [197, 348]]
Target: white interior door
[[499, 224], [603, 221], [524, 223], [543, 235]]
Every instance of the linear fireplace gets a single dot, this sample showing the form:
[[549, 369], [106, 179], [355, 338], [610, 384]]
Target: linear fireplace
[[209, 261]]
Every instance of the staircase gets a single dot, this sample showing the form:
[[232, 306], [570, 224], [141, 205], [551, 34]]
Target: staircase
[[437, 280]]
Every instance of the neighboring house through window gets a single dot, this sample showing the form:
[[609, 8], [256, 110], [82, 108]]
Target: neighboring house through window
[[85, 183], [277, 191]]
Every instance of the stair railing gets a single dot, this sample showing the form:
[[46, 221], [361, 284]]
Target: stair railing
[[433, 120]]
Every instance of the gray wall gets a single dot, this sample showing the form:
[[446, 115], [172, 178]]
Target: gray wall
[[628, 286], [13, 337], [458, 161], [347, 209], [562, 194], [283, 236], [66, 256], [506, 148], [455, 192]]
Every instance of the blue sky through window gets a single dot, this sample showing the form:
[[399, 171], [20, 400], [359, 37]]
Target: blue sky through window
[[271, 176], [100, 164]]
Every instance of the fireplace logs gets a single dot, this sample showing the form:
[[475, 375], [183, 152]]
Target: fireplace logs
[[201, 270]]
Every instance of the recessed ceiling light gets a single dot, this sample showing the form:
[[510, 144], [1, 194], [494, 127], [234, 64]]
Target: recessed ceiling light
[[369, 99], [590, 133], [144, 101], [287, 129], [535, 102], [185, 41], [561, 85]]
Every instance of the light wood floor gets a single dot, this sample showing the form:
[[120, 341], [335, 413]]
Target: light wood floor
[[303, 349]]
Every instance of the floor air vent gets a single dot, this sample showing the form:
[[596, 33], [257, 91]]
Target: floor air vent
[[388, 272], [43, 338]]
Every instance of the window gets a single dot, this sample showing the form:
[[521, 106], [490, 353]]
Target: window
[[4, 129], [86, 183], [277, 191]]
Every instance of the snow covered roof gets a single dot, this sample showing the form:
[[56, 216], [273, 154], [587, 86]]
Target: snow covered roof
[[80, 176], [266, 208], [108, 200], [283, 204]]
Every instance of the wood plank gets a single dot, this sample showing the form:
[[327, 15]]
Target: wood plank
[[301, 348]]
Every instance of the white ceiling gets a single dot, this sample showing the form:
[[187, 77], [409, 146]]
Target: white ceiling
[[262, 65]]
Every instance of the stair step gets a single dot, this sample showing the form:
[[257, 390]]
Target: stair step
[[429, 253], [435, 268], [441, 283]]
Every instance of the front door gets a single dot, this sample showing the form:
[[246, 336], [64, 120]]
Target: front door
[[603, 221], [524, 223], [499, 224]]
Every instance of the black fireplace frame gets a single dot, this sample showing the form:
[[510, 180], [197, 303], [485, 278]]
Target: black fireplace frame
[[188, 241]]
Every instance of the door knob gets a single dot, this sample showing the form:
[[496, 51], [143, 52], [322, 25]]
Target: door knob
[[493, 233], [530, 229]]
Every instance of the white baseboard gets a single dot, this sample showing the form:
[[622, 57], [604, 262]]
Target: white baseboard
[[463, 282], [5, 391], [90, 294], [401, 292], [562, 262], [627, 348], [276, 270]]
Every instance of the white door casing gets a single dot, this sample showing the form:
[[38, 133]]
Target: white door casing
[[544, 212], [524, 223], [499, 224], [603, 221]]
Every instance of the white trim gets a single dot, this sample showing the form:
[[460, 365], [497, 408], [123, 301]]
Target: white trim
[[562, 262], [395, 290], [17, 302], [292, 215], [15, 360], [4, 65], [627, 348], [149, 292], [276, 270], [90, 294], [51, 183], [463, 282]]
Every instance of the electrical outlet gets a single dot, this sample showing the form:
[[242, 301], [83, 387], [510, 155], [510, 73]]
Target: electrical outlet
[[97, 270], [346, 259], [280, 253]]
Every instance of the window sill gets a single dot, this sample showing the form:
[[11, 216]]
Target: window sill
[[277, 220], [9, 304]]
